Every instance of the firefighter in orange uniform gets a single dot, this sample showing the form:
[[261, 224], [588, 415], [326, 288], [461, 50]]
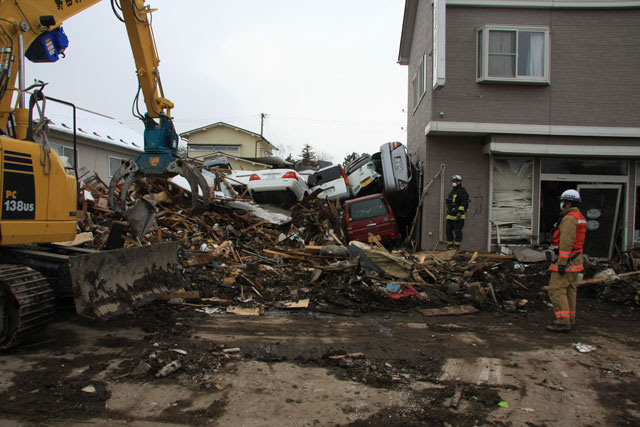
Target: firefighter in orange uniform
[[568, 238]]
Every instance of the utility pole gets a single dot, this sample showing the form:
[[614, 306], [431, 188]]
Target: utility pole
[[262, 117]]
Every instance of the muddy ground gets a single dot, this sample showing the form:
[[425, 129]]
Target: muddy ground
[[306, 368]]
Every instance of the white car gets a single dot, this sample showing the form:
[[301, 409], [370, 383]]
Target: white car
[[363, 176], [333, 182], [277, 186]]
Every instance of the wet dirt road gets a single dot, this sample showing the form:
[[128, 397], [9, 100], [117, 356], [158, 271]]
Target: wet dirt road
[[298, 369]]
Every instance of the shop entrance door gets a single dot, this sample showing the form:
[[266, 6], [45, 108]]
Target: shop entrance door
[[599, 206]]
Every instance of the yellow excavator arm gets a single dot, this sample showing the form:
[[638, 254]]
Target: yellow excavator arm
[[23, 21], [32, 29]]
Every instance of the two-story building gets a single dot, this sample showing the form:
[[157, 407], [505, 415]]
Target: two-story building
[[525, 99], [244, 149]]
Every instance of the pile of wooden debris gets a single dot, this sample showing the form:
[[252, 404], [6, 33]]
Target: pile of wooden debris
[[242, 258]]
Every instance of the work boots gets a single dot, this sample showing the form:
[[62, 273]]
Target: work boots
[[559, 327]]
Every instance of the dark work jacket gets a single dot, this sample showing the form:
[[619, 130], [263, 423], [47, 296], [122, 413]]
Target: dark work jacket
[[458, 201]]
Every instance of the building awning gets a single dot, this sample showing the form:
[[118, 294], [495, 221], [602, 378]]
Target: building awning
[[562, 150]]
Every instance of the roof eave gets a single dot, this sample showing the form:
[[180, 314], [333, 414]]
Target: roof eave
[[408, 25]]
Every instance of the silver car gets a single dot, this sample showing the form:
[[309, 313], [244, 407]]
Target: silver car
[[396, 168]]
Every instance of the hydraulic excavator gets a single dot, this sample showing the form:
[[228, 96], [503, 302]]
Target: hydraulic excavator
[[40, 195]]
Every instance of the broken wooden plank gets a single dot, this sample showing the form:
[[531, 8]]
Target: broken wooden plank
[[182, 294], [284, 255], [303, 303], [216, 299], [449, 311], [245, 311]]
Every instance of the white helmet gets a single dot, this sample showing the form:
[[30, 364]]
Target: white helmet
[[571, 196], [456, 178]]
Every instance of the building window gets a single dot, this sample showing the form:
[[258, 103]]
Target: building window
[[509, 54], [65, 152], [419, 82], [114, 165], [584, 167], [222, 148]]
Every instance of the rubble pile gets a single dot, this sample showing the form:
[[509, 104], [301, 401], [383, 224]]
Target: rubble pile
[[240, 258]]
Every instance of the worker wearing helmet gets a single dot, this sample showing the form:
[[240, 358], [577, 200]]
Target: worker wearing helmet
[[457, 205], [569, 240]]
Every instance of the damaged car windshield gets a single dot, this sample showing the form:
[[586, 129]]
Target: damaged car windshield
[[367, 209], [326, 175]]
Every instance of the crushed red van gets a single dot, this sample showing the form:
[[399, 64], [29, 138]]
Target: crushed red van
[[370, 214]]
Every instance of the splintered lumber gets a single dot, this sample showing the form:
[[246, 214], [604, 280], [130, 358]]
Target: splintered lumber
[[336, 238], [252, 283], [436, 256], [216, 299], [449, 311], [303, 303], [350, 355], [182, 294], [609, 278], [245, 311], [376, 242], [284, 255], [198, 260]]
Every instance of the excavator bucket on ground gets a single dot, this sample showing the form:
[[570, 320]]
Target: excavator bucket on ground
[[101, 284], [108, 283]]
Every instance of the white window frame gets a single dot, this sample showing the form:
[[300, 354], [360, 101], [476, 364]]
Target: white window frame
[[200, 147], [419, 82], [112, 172], [215, 147], [64, 151], [226, 148], [482, 55]]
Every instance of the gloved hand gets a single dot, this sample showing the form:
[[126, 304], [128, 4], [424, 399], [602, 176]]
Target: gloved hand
[[562, 269], [549, 255]]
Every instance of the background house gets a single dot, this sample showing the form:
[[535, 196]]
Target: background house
[[224, 139], [525, 99], [103, 143]]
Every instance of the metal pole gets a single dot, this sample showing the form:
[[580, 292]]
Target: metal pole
[[22, 78]]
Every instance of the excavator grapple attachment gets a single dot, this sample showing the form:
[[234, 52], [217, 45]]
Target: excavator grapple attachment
[[130, 172]]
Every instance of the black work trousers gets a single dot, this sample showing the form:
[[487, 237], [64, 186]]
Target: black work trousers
[[454, 231]]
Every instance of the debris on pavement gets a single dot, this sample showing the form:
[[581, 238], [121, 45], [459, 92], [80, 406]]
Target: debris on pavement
[[169, 368], [585, 348]]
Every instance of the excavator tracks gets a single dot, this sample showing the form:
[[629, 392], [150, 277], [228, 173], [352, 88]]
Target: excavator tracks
[[27, 304]]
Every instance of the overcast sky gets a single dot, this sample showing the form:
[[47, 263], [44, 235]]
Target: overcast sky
[[325, 73]]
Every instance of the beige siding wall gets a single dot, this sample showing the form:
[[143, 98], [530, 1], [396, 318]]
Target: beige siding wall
[[222, 135], [92, 155]]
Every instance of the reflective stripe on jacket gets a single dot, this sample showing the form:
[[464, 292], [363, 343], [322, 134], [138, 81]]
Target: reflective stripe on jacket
[[569, 237], [457, 202]]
